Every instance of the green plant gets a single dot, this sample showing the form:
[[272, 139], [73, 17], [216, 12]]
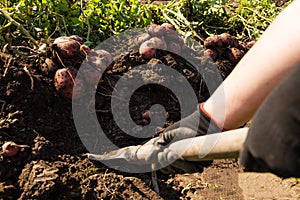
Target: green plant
[[96, 20], [204, 18]]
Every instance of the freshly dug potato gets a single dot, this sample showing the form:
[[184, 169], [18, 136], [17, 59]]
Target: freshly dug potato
[[156, 30], [174, 47], [101, 59], [49, 66], [148, 48], [69, 48], [10, 148], [85, 49], [168, 26], [212, 54], [173, 36], [213, 42], [158, 43], [142, 38], [234, 55], [64, 81], [61, 39], [66, 47], [146, 114], [77, 38], [90, 74], [229, 40], [98, 61]]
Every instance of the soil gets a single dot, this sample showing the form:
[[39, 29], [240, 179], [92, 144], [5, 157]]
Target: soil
[[55, 167]]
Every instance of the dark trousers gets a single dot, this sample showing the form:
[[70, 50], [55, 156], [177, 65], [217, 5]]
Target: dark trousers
[[273, 141]]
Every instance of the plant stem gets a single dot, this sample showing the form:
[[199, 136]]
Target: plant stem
[[20, 26]]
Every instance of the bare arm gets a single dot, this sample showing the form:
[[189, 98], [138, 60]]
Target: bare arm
[[260, 70]]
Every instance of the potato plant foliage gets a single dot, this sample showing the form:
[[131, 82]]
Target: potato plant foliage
[[96, 20]]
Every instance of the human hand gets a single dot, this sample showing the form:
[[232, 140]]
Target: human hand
[[199, 121], [157, 153]]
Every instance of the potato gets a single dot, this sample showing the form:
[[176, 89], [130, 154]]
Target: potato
[[213, 42], [173, 36], [10, 148], [146, 114], [212, 54], [91, 74], [101, 59], [168, 26], [234, 55], [64, 81], [174, 47], [50, 66], [77, 38], [85, 49], [156, 30], [66, 47], [158, 43], [229, 40], [142, 38], [148, 48]]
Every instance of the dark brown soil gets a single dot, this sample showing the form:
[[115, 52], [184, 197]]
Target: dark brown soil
[[54, 167]]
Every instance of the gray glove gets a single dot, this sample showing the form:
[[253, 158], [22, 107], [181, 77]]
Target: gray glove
[[198, 121], [196, 124], [162, 158]]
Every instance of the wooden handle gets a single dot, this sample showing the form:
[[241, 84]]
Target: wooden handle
[[209, 147]]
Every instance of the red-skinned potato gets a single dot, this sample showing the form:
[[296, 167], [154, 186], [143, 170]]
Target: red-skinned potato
[[213, 42], [146, 114], [148, 48], [212, 54], [85, 49], [158, 43], [168, 26], [234, 55], [65, 80], [11, 149], [174, 47], [173, 36], [66, 47], [98, 61], [229, 41], [51, 66], [77, 38], [101, 59], [61, 39], [156, 30], [142, 38], [91, 74]]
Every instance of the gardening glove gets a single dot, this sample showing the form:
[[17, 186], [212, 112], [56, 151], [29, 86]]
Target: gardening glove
[[199, 121], [196, 124], [161, 157]]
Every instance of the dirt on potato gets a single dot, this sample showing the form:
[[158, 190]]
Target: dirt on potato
[[55, 167]]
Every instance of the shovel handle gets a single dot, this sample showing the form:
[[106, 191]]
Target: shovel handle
[[213, 146]]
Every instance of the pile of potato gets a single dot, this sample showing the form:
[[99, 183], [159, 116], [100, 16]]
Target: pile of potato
[[225, 46], [160, 37], [68, 52]]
